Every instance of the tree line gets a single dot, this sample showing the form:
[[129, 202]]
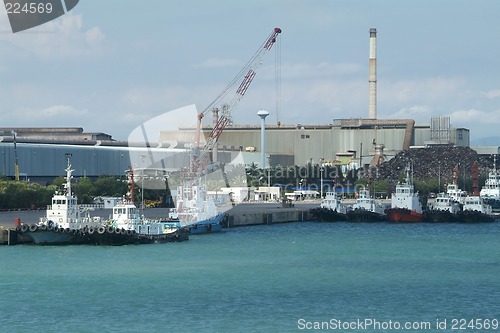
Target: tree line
[[30, 195]]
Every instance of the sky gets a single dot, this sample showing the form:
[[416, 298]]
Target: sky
[[110, 66]]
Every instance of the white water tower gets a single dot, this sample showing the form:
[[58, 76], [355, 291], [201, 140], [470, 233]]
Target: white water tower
[[263, 114]]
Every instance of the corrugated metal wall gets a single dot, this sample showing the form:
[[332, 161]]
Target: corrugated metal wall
[[48, 161], [39, 160], [307, 144]]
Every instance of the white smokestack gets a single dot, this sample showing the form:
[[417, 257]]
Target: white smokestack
[[372, 76]]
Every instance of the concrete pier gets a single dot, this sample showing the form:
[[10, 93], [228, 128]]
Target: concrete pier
[[11, 237]]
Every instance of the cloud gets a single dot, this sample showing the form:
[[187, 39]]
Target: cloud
[[57, 111], [94, 36], [470, 116], [431, 89], [61, 38], [51, 116], [418, 112], [492, 94]]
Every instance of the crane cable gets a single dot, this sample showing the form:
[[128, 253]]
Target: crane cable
[[277, 80]]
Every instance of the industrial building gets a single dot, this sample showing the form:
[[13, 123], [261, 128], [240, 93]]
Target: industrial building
[[308, 143]]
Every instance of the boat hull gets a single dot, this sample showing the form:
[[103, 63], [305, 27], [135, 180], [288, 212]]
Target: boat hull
[[207, 226], [363, 215], [50, 237], [403, 215], [440, 216], [97, 236], [474, 216], [327, 215]]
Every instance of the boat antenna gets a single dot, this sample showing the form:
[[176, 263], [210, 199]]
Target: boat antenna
[[69, 176], [407, 169]]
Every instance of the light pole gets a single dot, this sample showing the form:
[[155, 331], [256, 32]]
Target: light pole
[[321, 160], [142, 157], [263, 114], [269, 177]]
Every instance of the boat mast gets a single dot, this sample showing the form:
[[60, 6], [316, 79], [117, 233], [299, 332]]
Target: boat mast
[[69, 176], [129, 198]]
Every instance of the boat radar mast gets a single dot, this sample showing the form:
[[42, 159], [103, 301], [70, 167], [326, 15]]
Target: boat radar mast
[[69, 176]]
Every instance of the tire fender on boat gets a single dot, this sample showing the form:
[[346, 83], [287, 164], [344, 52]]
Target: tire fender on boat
[[91, 231], [24, 228], [32, 227], [101, 230]]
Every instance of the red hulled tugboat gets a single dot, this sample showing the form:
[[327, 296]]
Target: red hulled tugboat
[[405, 203]]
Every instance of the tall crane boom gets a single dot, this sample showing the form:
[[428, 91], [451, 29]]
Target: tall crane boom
[[227, 109]]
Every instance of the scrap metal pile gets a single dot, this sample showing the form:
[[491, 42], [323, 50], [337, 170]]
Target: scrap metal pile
[[433, 162]]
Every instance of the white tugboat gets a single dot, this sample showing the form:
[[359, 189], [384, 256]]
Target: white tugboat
[[64, 222], [405, 203], [126, 219], [366, 209], [491, 189], [456, 195], [331, 209], [195, 211], [443, 209], [475, 210]]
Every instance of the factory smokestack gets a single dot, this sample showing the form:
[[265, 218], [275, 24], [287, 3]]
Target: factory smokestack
[[372, 76]]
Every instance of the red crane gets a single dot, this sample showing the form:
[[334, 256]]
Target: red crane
[[201, 155]]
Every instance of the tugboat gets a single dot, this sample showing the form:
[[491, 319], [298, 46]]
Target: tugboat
[[456, 195], [65, 223], [331, 209], [444, 209], [366, 209], [405, 203], [195, 211], [490, 192], [126, 220], [475, 210]]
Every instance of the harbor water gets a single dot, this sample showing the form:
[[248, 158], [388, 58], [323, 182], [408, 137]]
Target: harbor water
[[290, 277]]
